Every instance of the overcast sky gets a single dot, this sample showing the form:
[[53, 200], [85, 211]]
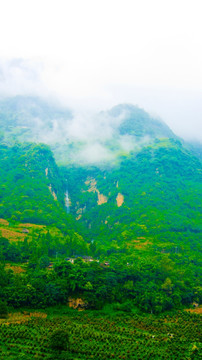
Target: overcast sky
[[95, 54]]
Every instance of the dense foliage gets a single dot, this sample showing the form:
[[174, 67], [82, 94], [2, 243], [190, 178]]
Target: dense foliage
[[151, 284]]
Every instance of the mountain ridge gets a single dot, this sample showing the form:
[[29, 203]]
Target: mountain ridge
[[109, 134]]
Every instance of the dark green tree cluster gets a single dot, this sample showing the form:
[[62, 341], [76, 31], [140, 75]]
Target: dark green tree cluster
[[152, 286]]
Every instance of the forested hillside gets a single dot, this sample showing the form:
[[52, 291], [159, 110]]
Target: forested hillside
[[123, 230], [156, 192], [31, 187]]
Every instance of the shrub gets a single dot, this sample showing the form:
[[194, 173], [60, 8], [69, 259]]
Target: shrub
[[3, 310], [59, 340]]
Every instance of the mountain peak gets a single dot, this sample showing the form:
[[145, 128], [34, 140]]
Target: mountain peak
[[138, 123]]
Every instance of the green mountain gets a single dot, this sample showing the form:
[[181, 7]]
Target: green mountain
[[142, 200], [102, 215], [138, 123], [150, 184], [110, 134]]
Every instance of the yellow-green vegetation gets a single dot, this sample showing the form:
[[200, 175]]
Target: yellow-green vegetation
[[22, 243], [29, 231]]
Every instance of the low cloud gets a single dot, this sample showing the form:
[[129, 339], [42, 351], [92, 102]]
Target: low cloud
[[94, 154], [21, 77], [89, 136]]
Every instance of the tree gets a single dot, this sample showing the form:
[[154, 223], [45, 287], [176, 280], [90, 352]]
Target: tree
[[167, 286], [44, 262], [3, 310], [59, 340]]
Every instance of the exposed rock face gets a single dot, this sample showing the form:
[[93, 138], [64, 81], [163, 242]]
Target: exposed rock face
[[78, 304], [101, 198], [53, 192], [92, 188], [119, 199]]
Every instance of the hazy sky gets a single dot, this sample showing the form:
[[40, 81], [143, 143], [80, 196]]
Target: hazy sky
[[97, 53]]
